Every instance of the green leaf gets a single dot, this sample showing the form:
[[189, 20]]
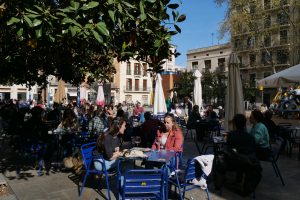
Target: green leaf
[[61, 14], [152, 17], [12, 21], [75, 4], [151, 1], [90, 5], [143, 15], [157, 43], [74, 30], [177, 28], [97, 36], [172, 32], [174, 14], [39, 8], [68, 21], [89, 26], [66, 10], [52, 39], [112, 15], [28, 21], [20, 32], [173, 5], [31, 11], [38, 33], [32, 15], [181, 18], [36, 22], [128, 5], [120, 9], [101, 26]]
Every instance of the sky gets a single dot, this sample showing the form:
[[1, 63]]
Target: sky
[[203, 18]]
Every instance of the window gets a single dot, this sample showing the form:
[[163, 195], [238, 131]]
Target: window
[[252, 8], [137, 69], [207, 64], [195, 56], [283, 2], [144, 99], [144, 69], [136, 84], [241, 60], [283, 36], [252, 80], [251, 42], [267, 21], [221, 52], [129, 84], [266, 58], [221, 64], [282, 18], [144, 85], [195, 65], [282, 56], [128, 68], [267, 40], [237, 44], [207, 54], [252, 60], [267, 4]]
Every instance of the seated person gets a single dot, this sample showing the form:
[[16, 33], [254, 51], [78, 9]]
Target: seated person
[[211, 115], [108, 144], [170, 137], [148, 129], [138, 110], [261, 135], [193, 122], [239, 157], [270, 124]]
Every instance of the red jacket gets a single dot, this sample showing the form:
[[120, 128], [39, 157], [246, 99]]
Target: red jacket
[[174, 140]]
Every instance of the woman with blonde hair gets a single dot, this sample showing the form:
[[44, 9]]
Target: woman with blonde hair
[[170, 136]]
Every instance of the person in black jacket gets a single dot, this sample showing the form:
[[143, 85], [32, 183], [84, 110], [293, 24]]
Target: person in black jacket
[[240, 157], [194, 121]]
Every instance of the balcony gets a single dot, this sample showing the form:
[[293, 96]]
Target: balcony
[[137, 90]]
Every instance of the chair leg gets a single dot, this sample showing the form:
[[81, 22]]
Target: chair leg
[[275, 170], [279, 174], [83, 183], [107, 185], [207, 193]]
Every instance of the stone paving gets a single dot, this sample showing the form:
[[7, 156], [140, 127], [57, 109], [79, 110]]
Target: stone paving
[[59, 185]]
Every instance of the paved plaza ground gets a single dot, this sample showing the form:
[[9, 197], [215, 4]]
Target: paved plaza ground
[[62, 185]]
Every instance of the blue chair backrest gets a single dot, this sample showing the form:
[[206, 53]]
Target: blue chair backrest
[[87, 153], [147, 183], [191, 172]]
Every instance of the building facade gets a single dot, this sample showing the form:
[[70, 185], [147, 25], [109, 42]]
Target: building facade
[[271, 45], [132, 82], [209, 58]]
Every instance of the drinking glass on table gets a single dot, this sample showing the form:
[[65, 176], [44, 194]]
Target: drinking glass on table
[[138, 140]]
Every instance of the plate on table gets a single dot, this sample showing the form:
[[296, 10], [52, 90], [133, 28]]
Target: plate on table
[[141, 149]]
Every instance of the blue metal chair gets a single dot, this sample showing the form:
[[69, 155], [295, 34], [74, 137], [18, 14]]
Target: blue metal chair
[[88, 157], [184, 181], [142, 184]]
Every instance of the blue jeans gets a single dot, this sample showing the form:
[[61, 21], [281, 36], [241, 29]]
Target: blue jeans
[[109, 164]]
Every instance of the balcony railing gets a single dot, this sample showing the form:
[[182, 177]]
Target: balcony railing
[[134, 89]]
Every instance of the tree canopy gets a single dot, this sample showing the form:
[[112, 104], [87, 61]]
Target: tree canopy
[[71, 39]]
